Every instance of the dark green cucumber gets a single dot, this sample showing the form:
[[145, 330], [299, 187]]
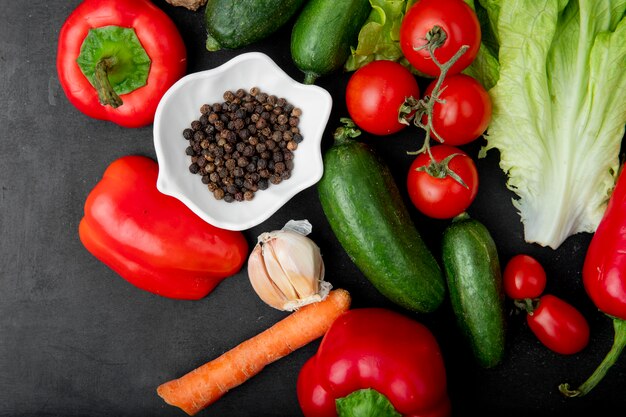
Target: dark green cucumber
[[232, 24], [323, 34], [367, 215], [472, 270]]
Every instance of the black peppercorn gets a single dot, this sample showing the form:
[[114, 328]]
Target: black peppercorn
[[279, 167], [228, 95], [218, 194], [242, 145], [230, 164]]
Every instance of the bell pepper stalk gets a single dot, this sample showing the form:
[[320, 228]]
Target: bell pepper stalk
[[604, 279], [116, 59], [375, 362], [153, 240]]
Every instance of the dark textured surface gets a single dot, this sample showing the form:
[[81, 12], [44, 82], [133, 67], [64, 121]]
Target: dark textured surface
[[77, 340]]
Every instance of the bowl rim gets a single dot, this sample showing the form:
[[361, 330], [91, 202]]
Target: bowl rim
[[174, 191]]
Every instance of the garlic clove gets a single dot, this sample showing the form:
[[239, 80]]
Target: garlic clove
[[261, 281], [286, 268], [301, 261], [276, 272]]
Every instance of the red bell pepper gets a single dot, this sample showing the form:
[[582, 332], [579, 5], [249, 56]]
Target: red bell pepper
[[116, 59], [153, 240], [604, 278], [380, 350]]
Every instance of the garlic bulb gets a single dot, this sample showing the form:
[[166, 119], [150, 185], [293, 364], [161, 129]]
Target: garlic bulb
[[286, 268]]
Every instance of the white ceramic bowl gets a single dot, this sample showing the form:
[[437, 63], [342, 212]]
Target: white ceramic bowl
[[181, 105]]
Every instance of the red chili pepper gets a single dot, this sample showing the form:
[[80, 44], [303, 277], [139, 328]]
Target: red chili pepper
[[376, 349], [153, 240], [116, 59], [604, 277]]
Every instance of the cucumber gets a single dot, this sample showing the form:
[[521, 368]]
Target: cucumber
[[232, 24], [323, 34], [472, 271], [367, 215]]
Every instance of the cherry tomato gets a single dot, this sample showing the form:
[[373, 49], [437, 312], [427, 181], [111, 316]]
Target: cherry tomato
[[466, 112], [523, 277], [559, 325], [375, 93], [436, 193], [455, 18]]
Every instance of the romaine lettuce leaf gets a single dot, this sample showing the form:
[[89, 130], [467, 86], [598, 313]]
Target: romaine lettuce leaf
[[559, 109]]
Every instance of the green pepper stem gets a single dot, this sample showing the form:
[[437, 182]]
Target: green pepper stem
[[106, 94], [619, 342], [346, 132]]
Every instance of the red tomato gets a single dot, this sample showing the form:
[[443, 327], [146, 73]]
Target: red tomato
[[559, 325], [466, 112], [524, 277], [375, 93], [458, 21], [437, 194]]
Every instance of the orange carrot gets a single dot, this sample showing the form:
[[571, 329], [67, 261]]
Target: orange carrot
[[206, 384]]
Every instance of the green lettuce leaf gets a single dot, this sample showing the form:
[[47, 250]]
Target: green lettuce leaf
[[379, 37], [485, 67], [559, 109]]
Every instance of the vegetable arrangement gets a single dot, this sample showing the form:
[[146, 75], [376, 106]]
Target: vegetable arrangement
[[116, 59], [235, 24], [558, 109], [537, 112], [556, 323], [153, 240], [206, 384], [322, 35], [472, 270], [363, 358], [605, 281], [365, 210]]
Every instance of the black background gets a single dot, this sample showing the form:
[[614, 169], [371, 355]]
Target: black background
[[77, 340]]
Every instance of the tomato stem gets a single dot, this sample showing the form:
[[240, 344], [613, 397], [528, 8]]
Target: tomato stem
[[106, 94], [435, 38], [619, 342], [417, 109]]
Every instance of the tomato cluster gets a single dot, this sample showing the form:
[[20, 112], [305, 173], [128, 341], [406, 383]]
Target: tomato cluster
[[556, 323], [439, 39]]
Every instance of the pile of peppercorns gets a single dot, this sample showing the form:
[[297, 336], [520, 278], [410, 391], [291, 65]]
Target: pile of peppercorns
[[244, 144]]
